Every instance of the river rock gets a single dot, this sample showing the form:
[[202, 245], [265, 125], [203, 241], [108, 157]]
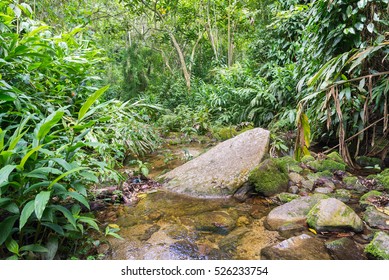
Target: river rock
[[333, 215], [269, 178], [302, 247], [292, 213], [217, 221], [376, 219], [345, 249], [378, 248], [223, 169]]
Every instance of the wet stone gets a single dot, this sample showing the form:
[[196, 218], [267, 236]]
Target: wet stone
[[176, 231], [376, 219], [218, 222], [302, 247], [345, 249], [324, 190], [149, 232], [184, 250]]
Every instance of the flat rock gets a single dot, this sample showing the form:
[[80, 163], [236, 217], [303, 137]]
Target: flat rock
[[333, 215], [292, 213], [376, 219], [223, 169], [302, 247], [345, 249]]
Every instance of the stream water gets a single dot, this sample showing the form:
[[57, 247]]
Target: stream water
[[169, 226]]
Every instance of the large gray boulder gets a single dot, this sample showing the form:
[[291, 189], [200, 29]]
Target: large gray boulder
[[223, 169]]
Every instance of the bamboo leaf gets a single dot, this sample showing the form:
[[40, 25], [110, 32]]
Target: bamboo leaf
[[88, 103]]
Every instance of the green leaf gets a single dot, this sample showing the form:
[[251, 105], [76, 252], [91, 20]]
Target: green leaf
[[40, 203], [4, 173], [26, 213], [370, 27], [67, 214], [27, 156], [6, 227], [66, 174], [47, 124], [12, 246], [57, 228], [89, 176], [88, 103], [52, 246], [89, 221], [79, 198], [43, 172], [34, 248]]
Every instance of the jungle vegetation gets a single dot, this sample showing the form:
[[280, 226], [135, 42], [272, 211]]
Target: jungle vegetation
[[86, 85]]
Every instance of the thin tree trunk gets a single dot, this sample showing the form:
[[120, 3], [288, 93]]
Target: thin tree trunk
[[230, 43], [208, 27], [182, 60], [194, 50]]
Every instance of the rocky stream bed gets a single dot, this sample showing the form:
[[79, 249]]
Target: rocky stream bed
[[313, 209]]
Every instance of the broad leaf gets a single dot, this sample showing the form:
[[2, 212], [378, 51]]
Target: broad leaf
[[6, 227], [34, 248], [88, 103], [47, 124], [40, 203], [26, 213], [79, 198], [12, 246], [67, 214], [4, 173]]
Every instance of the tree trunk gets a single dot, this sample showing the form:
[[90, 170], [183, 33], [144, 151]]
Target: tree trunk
[[208, 27], [230, 38], [182, 60]]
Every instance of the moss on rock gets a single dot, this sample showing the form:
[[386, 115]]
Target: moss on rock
[[288, 164], [307, 158], [327, 165], [378, 248], [269, 178], [350, 180], [287, 197], [383, 178], [364, 200], [335, 157]]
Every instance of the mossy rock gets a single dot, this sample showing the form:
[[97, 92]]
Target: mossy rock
[[269, 178], [287, 197], [333, 215], [224, 133], [342, 195], [368, 161], [350, 180], [378, 248], [307, 158], [364, 200], [327, 165], [335, 157], [324, 174], [288, 164], [383, 178]]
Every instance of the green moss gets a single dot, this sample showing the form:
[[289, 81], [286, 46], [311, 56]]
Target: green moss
[[335, 157], [378, 247], [350, 181], [288, 164], [343, 195], [269, 178], [287, 197], [383, 178], [327, 165], [366, 196], [224, 133], [307, 158]]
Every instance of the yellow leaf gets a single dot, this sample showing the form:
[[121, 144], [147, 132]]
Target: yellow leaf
[[113, 226], [312, 230], [142, 195]]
